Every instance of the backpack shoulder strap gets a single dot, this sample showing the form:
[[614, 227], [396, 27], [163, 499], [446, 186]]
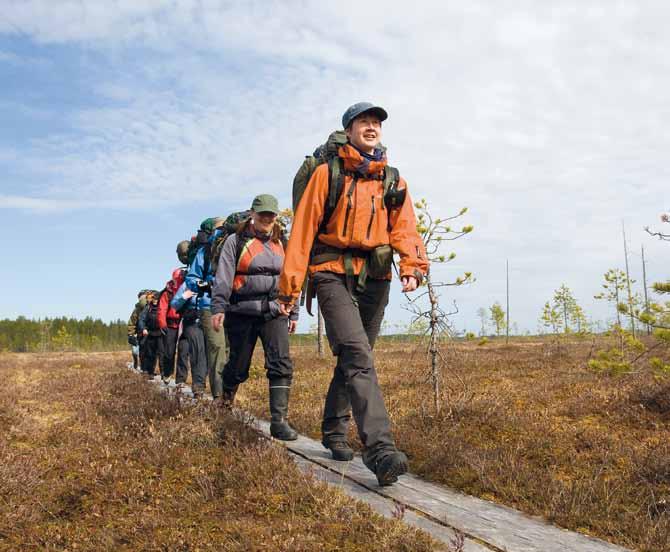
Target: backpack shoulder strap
[[242, 241], [391, 178], [335, 186]]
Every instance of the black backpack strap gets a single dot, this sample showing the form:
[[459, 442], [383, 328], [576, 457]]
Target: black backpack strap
[[207, 261], [335, 184], [242, 241]]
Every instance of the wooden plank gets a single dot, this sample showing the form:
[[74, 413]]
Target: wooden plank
[[499, 527], [385, 506]]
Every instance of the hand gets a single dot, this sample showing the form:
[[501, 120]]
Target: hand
[[292, 325], [284, 309], [188, 294], [217, 321], [409, 283], [145, 332]]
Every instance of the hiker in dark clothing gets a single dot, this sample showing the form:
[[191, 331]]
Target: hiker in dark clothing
[[191, 346], [243, 299], [133, 339], [150, 333], [348, 250], [168, 322], [133, 333]]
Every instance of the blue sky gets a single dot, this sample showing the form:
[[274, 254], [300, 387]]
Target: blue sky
[[123, 124]]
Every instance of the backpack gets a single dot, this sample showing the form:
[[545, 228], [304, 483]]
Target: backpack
[[213, 250], [201, 238], [328, 153]]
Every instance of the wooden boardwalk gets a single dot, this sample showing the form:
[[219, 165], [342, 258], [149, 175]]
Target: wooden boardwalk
[[437, 510]]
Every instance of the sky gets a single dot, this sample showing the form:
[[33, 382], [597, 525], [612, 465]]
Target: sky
[[125, 123]]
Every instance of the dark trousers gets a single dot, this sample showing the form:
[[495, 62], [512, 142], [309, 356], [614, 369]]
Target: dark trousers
[[150, 353], [243, 332], [352, 328], [167, 351], [192, 351]]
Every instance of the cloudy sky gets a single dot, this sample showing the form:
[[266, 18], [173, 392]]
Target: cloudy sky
[[124, 123]]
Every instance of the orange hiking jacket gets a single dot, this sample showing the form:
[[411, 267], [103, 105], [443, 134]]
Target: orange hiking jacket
[[367, 226]]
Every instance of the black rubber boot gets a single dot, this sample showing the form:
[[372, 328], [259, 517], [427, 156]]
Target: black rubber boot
[[279, 395], [228, 397], [340, 450]]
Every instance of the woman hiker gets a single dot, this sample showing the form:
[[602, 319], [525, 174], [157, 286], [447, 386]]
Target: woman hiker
[[244, 302]]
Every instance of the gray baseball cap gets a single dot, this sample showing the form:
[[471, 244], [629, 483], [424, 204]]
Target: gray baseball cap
[[265, 203], [360, 108]]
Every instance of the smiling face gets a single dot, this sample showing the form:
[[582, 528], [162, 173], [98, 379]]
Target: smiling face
[[365, 132], [264, 221]]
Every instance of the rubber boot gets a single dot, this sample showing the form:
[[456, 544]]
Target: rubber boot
[[228, 397], [279, 395]]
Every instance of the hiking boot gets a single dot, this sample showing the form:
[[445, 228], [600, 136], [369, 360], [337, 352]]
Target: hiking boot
[[279, 395], [389, 467], [340, 450]]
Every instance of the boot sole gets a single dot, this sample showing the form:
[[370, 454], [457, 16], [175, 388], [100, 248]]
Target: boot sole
[[389, 475], [285, 437]]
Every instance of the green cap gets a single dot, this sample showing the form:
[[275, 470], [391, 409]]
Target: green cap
[[265, 203]]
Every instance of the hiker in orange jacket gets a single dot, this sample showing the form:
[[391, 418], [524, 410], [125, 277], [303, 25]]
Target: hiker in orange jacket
[[349, 262]]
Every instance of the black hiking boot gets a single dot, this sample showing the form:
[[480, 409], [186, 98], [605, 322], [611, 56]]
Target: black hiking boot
[[279, 395], [340, 450], [389, 467]]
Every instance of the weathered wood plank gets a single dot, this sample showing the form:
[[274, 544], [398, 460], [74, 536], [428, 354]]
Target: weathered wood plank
[[498, 526]]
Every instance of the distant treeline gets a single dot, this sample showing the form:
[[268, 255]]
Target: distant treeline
[[61, 334]]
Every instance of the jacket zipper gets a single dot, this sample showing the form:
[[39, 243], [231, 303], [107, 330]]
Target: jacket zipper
[[349, 204], [372, 217]]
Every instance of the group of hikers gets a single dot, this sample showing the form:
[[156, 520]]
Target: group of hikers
[[243, 280]]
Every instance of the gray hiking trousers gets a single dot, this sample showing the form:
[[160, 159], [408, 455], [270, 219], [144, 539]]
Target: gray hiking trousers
[[352, 328]]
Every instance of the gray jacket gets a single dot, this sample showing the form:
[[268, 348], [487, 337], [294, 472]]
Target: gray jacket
[[249, 285]]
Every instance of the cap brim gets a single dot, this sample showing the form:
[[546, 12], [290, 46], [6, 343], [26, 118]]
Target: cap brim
[[380, 112]]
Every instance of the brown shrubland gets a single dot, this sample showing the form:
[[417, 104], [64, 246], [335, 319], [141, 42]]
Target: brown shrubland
[[92, 458], [527, 424]]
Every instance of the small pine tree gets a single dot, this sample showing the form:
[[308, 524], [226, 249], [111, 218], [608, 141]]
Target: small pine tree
[[497, 317]]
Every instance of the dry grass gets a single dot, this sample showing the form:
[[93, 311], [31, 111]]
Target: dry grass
[[94, 459], [527, 425]]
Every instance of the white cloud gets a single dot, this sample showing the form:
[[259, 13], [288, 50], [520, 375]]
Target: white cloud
[[548, 121]]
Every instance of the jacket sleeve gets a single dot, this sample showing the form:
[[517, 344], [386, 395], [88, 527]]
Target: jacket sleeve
[[305, 226], [163, 307], [295, 312], [405, 239], [142, 322], [178, 300], [225, 274], [195, 272]]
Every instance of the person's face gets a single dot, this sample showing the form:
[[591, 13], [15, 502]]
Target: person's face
[[365, 132], [264, 221]]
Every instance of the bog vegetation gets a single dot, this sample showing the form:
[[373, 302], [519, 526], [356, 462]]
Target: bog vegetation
[[94, 459]]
